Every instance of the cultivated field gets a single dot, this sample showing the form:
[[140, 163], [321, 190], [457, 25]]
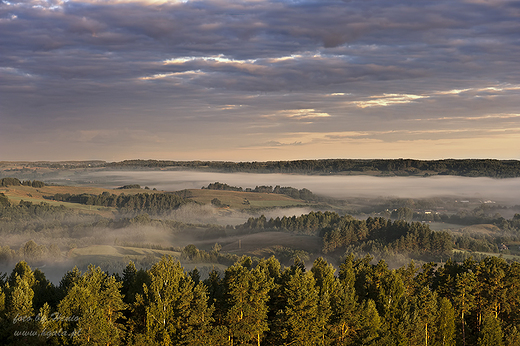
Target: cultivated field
[[244, 200]]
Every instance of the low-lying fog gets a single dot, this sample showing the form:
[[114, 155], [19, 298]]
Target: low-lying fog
[[503, 190], [207, 214]]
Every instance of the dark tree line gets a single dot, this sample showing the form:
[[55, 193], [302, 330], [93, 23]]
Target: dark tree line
[[304, 193], [4, 182], [259, 302], [340, 233], [128, 187], [222, 187], [463, 167], [152, 203]]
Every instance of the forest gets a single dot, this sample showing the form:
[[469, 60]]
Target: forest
[[405, 167], [384, 167], [352, 288], [260, 302], [338, 234], [152, 203]]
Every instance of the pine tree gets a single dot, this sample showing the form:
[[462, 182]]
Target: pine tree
[[44, 291], [511, 308], [491, 289], [91, 309], [343, 321], [198, 330], [327, 286], [19, 310], [20, 303], [46, 326], [68, 281], [301, 315], [370, 324], [445, 323], [491, 333], [247, 293], [463, 298], [128, 288], [425, 307], [174, 309]]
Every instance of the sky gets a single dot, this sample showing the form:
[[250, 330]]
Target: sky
[[259, 80]]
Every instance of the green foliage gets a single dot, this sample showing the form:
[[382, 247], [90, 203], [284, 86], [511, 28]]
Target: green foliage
[[403, 167], [92, 308], [221, 186], [445, 335], [374, 234], [4, 182], [4, 201], [302, 325], [304, 194], [172, 308], [247, 293], [491, 333], [154, 203], [128, 187], [404, 214], [218, 203], [257, 302]]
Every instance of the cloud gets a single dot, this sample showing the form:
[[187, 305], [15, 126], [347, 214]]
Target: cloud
[[472, 118], [388, 100], [300, 114], [210, 68], [278, 144]]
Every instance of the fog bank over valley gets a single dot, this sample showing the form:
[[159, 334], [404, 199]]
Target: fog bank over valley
[[214, 226], [503, 190], [207, 214]]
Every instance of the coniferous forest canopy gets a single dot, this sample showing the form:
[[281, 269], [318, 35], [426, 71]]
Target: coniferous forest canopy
[[268, 265], [260, 302], [477, 168], [462, 167]]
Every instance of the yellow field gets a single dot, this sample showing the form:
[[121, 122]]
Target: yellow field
[[35, 195], [235, 200], [238, 200], [97, 254], [119, 252]]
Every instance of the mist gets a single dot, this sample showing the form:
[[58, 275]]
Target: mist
[[115, 247], [336, 186]]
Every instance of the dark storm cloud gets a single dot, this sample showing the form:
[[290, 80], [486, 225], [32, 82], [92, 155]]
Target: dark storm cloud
[[77, 40], [95, 65]]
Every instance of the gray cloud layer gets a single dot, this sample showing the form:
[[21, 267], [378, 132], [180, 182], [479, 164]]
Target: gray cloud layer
[[116, 79]]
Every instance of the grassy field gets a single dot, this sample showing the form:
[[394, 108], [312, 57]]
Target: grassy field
[[118, 257], [234, 200], [440, 226], [485, 229], [504, 256], [239, 200], [36, 195], [261, 244], [119, 251], [96, 254]]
